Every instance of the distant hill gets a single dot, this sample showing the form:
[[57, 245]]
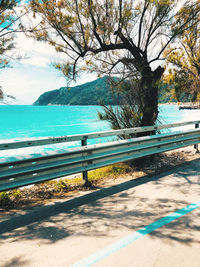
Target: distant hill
[[90, 93], [87, 94]]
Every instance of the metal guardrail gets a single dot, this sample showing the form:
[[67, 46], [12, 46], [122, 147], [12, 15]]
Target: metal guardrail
[[85, 137], [82, 159]]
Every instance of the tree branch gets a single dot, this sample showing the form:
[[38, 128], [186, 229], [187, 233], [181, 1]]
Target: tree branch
[[146, 4]]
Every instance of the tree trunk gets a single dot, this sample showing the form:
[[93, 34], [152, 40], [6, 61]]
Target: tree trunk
[[149, 95], [150, 106], [149, 98]]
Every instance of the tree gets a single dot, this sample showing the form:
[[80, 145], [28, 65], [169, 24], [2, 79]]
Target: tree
[[127, 113], [184, 76], [9, 25], [1, 94], [125, 38]]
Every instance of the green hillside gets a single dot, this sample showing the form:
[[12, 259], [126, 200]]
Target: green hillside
[[91, 93], [86, 94]]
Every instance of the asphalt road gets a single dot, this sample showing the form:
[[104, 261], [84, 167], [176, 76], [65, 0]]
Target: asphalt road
[[151, 221]]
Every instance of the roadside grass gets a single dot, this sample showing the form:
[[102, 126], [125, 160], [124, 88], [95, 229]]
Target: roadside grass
[[111, 171], [10, 198], [60, 187]]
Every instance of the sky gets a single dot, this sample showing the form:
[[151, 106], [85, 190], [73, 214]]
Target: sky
[[28, 78]]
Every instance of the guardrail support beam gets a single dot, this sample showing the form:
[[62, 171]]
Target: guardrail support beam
[[85, 173], [196, 145]]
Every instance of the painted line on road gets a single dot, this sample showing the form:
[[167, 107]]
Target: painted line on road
[[134, 236]]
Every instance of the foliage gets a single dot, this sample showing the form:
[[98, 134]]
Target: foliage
[[128, 113], [108, 171], [104, 29], [10, 23], [184, 76], [125, 38], [8, 199], [16, 194], [4, 199], [1, 94], [61, 185]]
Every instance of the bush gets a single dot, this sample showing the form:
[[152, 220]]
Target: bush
[[16, 194], [4, 199], [61, 185]]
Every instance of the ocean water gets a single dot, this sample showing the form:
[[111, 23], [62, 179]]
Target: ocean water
[[18, 123]]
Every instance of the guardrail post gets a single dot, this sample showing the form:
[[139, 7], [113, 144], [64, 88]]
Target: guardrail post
[[85, 173], [196, 145]]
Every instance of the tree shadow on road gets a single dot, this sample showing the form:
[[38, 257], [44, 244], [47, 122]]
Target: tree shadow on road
[[16, 261]]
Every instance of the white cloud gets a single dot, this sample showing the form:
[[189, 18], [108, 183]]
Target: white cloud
[[26, 82], [37, 53], [37, 61]]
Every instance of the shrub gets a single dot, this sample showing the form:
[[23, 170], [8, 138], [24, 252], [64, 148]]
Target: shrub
[[4, 199], [61, 185], [16, 194]]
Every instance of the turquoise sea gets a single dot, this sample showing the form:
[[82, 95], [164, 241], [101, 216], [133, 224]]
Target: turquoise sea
[[29, 122], [18, 122]]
